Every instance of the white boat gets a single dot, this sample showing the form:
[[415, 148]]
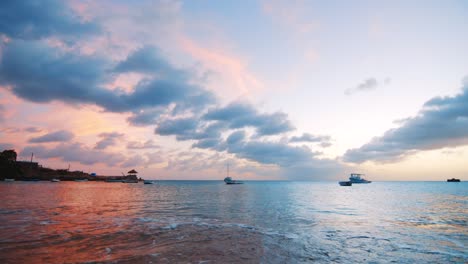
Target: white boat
[[9, 180], [55, 180], [356, 178]]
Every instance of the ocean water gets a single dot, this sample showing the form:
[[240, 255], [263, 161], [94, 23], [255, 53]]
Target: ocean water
[[257, 222]]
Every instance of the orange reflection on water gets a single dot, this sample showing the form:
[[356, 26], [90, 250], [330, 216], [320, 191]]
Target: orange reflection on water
[[66, 220]]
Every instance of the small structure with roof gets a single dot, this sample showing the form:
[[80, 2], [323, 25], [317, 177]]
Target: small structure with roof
[[131, 177], [132, 172]]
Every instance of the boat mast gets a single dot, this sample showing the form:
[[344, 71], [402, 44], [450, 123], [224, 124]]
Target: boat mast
[[227, 169]]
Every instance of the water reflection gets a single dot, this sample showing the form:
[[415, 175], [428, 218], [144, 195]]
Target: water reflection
[[270, 222]]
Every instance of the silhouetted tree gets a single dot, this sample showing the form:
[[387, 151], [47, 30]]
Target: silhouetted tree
[[9, 155], [8, 167]]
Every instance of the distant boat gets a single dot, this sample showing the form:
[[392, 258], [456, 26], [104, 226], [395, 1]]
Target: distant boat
[[81, 180], [356, 178], [345, 183], [149, 182], [9, 180], [229, 180], [448, 180], [55, 180]]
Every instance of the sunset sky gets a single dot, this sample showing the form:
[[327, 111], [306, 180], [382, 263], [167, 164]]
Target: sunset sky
[[286, 90]]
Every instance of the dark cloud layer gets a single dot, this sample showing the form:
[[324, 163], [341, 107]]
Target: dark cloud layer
[[57, 136], [30, 19], [80, 79], [240, 115], [443, 122], [39, 73]]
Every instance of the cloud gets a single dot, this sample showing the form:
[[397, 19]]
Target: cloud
[[209, 143], [32, 129], [75, 152], [10, 130], [145, 160], [442, 122], [58, 136], [181, 127], [166, 96], [108, 139], [29, 19], [236, 137], [145, 118], [5, 146], [133, 161], [367, 85], [148, 59], [149, 144], [54, 75], [73, 78], [306, 137], [2, 113], [266, 152], [240, 115]]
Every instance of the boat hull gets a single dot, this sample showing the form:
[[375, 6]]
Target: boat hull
[[345, 183], [453, 180], [359, 182]]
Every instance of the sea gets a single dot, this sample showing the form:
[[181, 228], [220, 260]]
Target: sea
[[256, 222]]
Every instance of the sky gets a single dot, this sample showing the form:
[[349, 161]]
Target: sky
[[279, 90]]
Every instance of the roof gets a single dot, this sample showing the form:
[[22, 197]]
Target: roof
[[132, 171]]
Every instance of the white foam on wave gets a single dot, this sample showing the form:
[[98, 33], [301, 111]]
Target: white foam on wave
[[171, 226]]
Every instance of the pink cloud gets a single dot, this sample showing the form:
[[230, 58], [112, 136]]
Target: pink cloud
[[231, 69]]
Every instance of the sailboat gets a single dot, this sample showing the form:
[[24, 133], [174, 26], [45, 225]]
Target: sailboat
[[229, 180]]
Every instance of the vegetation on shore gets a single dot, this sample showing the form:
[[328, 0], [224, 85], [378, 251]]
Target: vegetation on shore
[[10, 168]]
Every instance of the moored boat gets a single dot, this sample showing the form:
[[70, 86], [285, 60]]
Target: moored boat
[[453, 180], [9, 180], [345, 183], [229, 180], [81, 180], [148, 182], [357, 178], [55, 180]]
